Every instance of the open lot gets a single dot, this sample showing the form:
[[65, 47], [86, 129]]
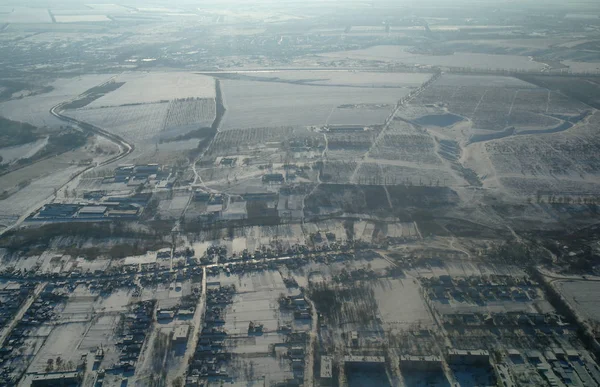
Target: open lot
[[582, 295]]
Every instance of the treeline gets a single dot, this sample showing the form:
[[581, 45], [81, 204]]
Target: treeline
[[354, 304], [93, 94], [117, 251], [13, 133], [57, 144], [196, 133], [26, 239], [210, 134], [557, 198], [63, 142]]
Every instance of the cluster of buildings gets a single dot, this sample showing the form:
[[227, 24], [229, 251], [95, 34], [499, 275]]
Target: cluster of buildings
[[296, 352], [134, 175], [217, 207], [557, 366], [542, 321], [298, 305], [80, 212], [12, 296], [211, 356], [185, 309], [99, 205], [480, 290], [104, 208], [136, 327], [42, 310]]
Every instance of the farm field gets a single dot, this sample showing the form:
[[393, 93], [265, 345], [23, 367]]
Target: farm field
[[35, 109], [81, 18], [148, 119], [380, 173], [38, 182], [142, 88], [138, 123], [18, 15], [402, 54], [491, 107], [269, 104], [403, 141], [29, 197], [190, 114], [255, 145], [524, 165], [359, 115], [499, 132], [14, 153], [342, 78]]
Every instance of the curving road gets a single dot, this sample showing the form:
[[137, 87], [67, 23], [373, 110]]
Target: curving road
[[124, 147]]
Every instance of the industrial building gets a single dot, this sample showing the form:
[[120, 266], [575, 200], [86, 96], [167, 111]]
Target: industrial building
[[92, 211], [273, 178], [58, 210], [471, 357], [56, 379], [428, 363]]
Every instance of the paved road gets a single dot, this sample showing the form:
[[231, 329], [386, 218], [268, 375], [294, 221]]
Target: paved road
[[310, 355], [15, 320], [125, 149], [90, 277], [388, 121], [197, 324]]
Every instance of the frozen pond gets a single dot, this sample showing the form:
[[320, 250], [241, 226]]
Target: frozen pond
[[442, 120]]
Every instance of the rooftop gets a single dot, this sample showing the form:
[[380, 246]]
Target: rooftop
[[326, 366], [181, 332], [93, 210]]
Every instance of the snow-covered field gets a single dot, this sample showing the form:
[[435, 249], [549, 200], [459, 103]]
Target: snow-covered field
[[191, 114], [142, 88], [35, 110], [14, 153], [81, 18], [348, 78], [583, 296], [252, 104], [402, 54], [29, 197], [400, 304], [137, 123]]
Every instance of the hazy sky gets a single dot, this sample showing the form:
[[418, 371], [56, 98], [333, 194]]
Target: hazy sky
[[212, 3]]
